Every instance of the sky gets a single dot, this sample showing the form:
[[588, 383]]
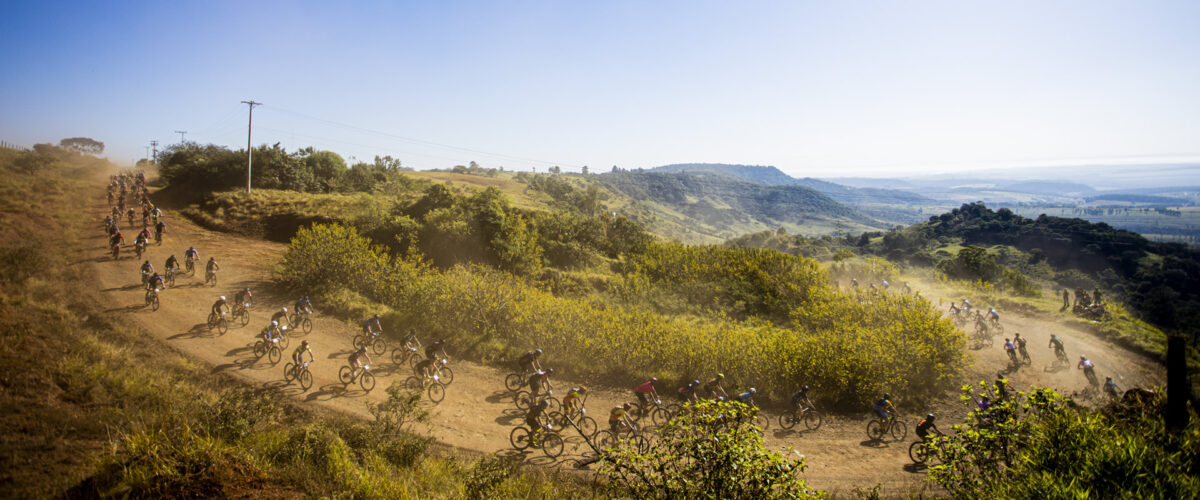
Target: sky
[[827, 88]]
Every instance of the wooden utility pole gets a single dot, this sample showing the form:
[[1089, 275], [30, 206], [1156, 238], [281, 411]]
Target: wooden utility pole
[[249, 150]]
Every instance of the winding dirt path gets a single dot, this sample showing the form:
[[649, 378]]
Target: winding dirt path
[[477, 413]]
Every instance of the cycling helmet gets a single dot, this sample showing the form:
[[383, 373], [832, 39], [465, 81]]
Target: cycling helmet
[[362, 350], [1108, 379], [720, 376], [210, 259], [806, 387], [376, 316], [222, 297], [283, 309], [628, 406], [549, 371], [304, 342], [929, 417], [753, 390], [543, 403], [274, 323], [887, 395], [653, 380], [696, 383], [1082, 357], [582, 389], [441, 341], [147, 262], [247, 289], [1007, 340], [537, 352]]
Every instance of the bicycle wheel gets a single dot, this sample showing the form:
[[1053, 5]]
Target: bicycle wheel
[[917, 453], [345, 375], [552, 444], [587, 426], [294, 319], [414, 360], [437, 392], [812, 420], [788, 420], [379, 347], [289, 372], [214, 279], [245, 317], [283, 341], [899, 430], [358, 341], [660, 416], [874, 430], [413, 383], [519, 438], [274, 354], [305, 379], [260, 349], [514, 382], [522, 400], [154, 303], [604, 440], [639, 443], [398, 355], [171, 280], [306, 325], [222, 325], [762, 421], [366, 381], [446, 375]]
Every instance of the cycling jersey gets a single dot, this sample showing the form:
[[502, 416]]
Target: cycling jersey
[[535, 381], [617, 413], [172, 262], [923, 428], [1086, 364], [155, 282], [242, 297], [570, 398], [216, 308], [279, 316], [1008, 346], [645, 388], [371, 322], [353, 358], [431, 351], [746, 398]]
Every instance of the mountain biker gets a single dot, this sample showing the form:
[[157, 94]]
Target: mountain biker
[[995, 315], [144, 234], [158, 229], [747, 398], [269, 331], [356, 360], [573, 401], [884, 407], [800, 399], [191, 254], [1011, 350], [280, 316], [954, 310], [1110, 387], [886, 285], [1001, 387], [298, 354], [966, 305], [646, 391], [116, 239], [219, 306], [147, 267], [1086, 365], [172, 263], [212, 266], [303, 306], [371, 326], [529, 362], [689, 392], [243, 297], [1057, 344], [436, 350], [1020, 342], [536, 382], [425, 369], [713, 387], [531, 419], [925, 426], [155, 282], [141, 240], [619, 415]]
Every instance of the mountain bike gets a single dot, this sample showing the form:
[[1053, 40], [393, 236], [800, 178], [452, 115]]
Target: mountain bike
[[363, 375], [434, 389], [269, 348], [524, 400], [116, 251], [152, 299], [302, 320], [515, 381], [138, 249], [241, 313], [170, 279], [924, 451], [373, 341], [801, 413], [298, 372], [878, 429], [546, 440], [1090, 373], [210, 276], [625, 436], [190, 266], [653, 408], [158, 237], [1025, 359], [584, 424], [218, 322], [407, 353]]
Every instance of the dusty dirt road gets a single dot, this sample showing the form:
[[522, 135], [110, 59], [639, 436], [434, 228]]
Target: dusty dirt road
[[477, 413]]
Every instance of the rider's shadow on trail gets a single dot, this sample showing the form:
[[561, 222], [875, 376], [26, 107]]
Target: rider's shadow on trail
[[498, 397], [1055, 368], [786, 433], [510, 417], [326, 393], [874, 443], [1011, 368], [197, 330], [283, 387], [132, 308], [915, 468]]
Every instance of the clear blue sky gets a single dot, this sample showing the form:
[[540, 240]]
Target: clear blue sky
[[816, 88]]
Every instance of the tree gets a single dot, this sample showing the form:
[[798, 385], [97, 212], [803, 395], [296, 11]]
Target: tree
[[584, 170], [84, 145]]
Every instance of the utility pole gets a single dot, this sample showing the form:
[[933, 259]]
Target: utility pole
[[181, 134], [154, 159], [249, 151]]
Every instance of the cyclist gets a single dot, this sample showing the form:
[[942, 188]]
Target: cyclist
[[886, 285], [884, 407], [280, 316], [145, 234], [172, 263], [646, 392], [357, 362], [925, 426], [298, 354], [211, 267], [436, 350], [1110, 387], [854, 283], [269, 331], [1001, 387], [1086, 365], [531, 420], [994, 315], [158, 230], [116, 239], [154, 283], [131, 213], [800, 399], [617, 416], [1020, 342], [371, 326], [1057, 344], [690, 392], [966, 305], [424, 369], [191, 254], [954, 309], [243, 298], [536, 382], [1011, 350], [573, 402], [141, 240], [529, 362], [747, 398], [147, 268], [984, 405], [713, 387], [302, 306], [218, 307]]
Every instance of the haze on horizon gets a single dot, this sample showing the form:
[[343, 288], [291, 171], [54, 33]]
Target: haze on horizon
[[826, 89]]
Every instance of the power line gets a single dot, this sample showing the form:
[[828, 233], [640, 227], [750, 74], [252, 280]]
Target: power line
[[181, 134], [249, 148]]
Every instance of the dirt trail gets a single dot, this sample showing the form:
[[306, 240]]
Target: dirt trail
[[477, 414]]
